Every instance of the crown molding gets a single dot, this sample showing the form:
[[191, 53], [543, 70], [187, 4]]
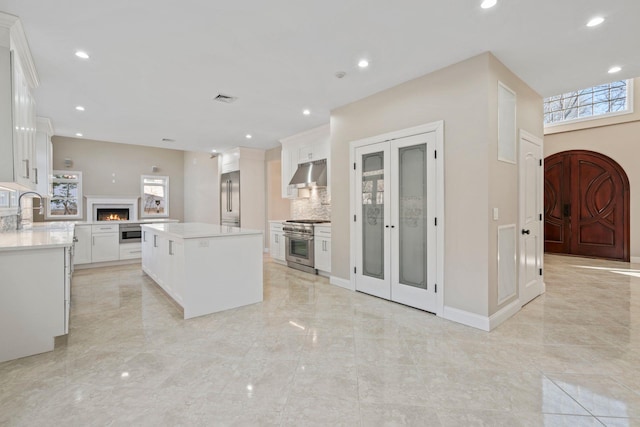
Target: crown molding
[[20, 46], [44, 124]]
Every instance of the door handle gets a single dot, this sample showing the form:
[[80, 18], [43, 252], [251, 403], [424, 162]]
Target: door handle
[[566, 209], [526, 231]]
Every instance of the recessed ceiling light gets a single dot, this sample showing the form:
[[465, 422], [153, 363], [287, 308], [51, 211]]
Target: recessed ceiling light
[[486, 4], [363, 63], [615, 69], [306, 112], [79, 108], [78, 134], [248, 136], [595, 21], [214, 151], [82, 54]]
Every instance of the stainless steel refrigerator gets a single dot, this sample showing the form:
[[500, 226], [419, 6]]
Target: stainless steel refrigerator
[[230, 199]]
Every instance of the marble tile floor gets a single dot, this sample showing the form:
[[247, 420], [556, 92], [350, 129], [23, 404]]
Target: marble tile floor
[[315, 354]]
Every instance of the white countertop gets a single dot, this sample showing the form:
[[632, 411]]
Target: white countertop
[[139, 221], [42, 235], [197, 230]]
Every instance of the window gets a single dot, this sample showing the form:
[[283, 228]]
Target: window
[[602, 100], [7, 198], [155, 196], [66, 201]]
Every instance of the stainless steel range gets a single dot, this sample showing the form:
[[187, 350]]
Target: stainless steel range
[[298, 234]]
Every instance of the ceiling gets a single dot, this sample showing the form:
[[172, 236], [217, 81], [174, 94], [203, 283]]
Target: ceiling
[[156, 65]]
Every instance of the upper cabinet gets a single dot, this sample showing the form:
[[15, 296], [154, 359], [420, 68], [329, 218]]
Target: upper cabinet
[[230, 161], [302, 148], [18, 79], [44, 157]]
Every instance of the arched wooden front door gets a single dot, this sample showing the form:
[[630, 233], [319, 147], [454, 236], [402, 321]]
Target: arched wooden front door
[[586, 205]]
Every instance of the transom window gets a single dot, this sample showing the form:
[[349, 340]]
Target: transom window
[[593, 102], [66, 199]]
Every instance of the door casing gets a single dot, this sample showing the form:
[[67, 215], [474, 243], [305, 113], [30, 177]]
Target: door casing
[[438, 129]]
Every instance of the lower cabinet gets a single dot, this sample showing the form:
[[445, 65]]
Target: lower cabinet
[[83, 244], [322, 248], [105, 247], [277, 245], [34, 300]]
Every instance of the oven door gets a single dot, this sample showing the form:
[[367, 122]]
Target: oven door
[[300, 249]]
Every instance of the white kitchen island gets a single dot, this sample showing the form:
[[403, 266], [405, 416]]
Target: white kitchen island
[[205, 268]]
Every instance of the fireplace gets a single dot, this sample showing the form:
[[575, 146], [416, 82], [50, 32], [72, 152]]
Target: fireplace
[[101, 208], [112, 214]]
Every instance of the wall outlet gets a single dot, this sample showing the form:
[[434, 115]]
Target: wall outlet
[[496, 214]]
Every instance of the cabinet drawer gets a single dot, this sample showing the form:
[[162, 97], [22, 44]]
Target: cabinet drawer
[[105, 228], [276, 227], [322, 232], [130, 251]]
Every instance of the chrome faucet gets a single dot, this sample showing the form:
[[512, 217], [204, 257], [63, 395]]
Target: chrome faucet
[[19, 219]]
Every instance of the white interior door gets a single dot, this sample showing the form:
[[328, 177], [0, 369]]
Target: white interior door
[[531, 232], [372, 268], [413, 229]]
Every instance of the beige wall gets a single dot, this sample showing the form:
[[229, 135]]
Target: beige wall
[[277, 207], [464, 95], [503, 177], [99, 161], [621, 142], [201, 188], [457, 95]]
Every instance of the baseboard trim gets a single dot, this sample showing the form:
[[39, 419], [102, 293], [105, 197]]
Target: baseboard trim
[[467, 318], [107, 264], [343, 283], [504, 313], [635, 259]]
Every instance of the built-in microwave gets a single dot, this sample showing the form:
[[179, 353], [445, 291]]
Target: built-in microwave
[[130, 233]]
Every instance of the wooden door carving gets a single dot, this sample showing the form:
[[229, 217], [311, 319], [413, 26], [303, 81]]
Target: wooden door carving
[[586, 203]]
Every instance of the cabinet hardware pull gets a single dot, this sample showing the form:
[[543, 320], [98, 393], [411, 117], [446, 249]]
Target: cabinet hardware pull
[[155, 241], [170, 247]]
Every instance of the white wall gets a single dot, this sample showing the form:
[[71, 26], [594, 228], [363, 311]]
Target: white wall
[[201, 188]]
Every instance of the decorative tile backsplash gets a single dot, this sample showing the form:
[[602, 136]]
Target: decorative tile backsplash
[[316, 206], [8, 223]]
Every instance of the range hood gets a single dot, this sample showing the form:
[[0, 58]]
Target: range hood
[[311, 174]]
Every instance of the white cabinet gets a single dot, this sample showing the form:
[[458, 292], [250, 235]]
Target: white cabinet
[[43, 172], [130, 251], [34, 300], [302, 148], [219, 270], [277, 244], [82, 246], [18, 79], [322, 248], [105, 243], [230, 161]]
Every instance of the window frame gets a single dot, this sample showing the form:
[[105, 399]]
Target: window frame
[[142, 212], [80, 201], [628, 110]]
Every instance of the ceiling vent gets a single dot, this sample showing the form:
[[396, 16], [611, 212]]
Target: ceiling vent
[[225, 98]]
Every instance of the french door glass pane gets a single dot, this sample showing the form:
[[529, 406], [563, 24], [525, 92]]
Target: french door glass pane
[[413, 215], [373, 215]]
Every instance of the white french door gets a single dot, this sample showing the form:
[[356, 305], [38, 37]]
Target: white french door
[[395, 223]]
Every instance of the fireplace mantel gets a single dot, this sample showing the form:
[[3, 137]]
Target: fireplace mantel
[[95, 202]]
